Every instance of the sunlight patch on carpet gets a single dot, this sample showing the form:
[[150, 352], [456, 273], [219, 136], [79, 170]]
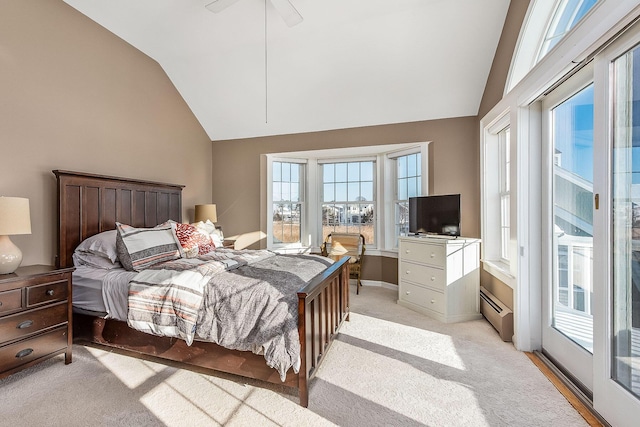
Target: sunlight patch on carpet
[[131, 372], [421, 343]]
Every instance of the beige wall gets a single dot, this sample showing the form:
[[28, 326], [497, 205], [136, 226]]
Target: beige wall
[[76, 97], [453, 168]]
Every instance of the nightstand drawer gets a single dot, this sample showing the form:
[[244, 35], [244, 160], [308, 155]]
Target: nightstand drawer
[[10, 300], [423, 297], [47, 292], [29, 322], [25, 351], [423, 275]]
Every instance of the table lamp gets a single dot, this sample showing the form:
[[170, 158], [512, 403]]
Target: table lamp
[[206, 212], [14, 219]]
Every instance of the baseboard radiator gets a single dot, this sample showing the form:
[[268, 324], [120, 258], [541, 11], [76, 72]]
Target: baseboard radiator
[[498, 314]]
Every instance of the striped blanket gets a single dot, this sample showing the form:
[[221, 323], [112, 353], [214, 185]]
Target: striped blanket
[[165, 299]]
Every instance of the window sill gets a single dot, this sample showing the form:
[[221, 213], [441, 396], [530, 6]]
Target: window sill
[[500, 271]]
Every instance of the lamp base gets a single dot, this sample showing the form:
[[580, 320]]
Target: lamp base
[[10, 256]]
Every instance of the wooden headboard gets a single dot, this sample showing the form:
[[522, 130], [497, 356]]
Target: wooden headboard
[[89, 204]]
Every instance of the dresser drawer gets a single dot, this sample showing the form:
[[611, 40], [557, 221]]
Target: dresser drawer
[[423, 252], [10, 300], [30, 322], [25, 351], [423, 275], [427, 298], [47, 292]]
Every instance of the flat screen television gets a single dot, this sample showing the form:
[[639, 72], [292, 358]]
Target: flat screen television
[[435, 215]]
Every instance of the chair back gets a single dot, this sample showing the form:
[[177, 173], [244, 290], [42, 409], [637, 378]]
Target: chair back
[[339, 245]]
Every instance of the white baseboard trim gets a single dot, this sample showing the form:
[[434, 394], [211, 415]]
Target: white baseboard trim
[[379, 283]]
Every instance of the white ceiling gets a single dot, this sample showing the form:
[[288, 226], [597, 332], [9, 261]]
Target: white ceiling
[[350, 63]]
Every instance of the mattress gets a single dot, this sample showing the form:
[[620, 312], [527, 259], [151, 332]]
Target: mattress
[[102, 291]]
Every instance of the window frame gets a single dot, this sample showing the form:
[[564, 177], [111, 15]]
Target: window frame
[[495, 155]]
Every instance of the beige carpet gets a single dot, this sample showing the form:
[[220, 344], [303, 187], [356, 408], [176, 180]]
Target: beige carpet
[[390, 367]]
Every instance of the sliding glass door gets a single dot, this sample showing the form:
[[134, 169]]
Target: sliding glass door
[[617, 344], [567, 330]]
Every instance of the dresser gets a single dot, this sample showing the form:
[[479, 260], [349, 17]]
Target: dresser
[[35, 316], [440, 277]]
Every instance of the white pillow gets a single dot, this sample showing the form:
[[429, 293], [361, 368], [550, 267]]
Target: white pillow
[[101, 244], [209, 228]]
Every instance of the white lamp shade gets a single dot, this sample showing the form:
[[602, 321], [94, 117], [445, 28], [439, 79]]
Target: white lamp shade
[[206, 212], [14, 216]]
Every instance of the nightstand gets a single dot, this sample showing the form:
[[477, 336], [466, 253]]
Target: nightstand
[[229, 244], [35, 316]]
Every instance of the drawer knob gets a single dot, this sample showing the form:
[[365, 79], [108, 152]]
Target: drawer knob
[[433, 255], [408, 292], [24, 353], [50, 292], [433, 278], [24, 325], [433, 301], [407, 251], [408, 271]]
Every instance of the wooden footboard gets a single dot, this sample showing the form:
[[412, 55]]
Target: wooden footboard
[[323, 305]]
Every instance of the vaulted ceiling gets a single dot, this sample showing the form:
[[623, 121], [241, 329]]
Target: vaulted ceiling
[[350, 63]]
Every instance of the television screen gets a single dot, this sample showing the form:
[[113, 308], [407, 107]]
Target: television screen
[[435, 214]]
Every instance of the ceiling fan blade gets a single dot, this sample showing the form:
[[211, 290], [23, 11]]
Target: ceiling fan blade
[[286, 10], [219, 5]]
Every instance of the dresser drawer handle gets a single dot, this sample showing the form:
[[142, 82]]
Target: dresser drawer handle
[[433, 255], [408, 292], [433, 278], [50, 292], [24, 325], [0, 303], [24, 353], [407, 251], [433, 301], [408, 271]]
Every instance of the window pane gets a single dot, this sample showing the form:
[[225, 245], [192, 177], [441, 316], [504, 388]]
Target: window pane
[[366, 171], [328, 172], [277, 191], [403, 193], [366, 191], [341, 172], [354, 171], [341, 192], [277, 171], [328, 193], [412, 187], [402, 167], [295, 172], [412, 169], [572, 173], [354, 191], [625, 257]]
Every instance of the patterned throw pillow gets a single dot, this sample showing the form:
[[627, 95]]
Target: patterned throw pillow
[[193, 241], [140, 248]]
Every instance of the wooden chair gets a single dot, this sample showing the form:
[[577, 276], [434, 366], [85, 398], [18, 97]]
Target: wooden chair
[[339, 245]]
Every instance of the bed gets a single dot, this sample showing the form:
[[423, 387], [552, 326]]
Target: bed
[[90, 204]]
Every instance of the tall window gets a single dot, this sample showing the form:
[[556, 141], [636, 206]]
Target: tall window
[[408, 184], [288, 189], [348, 198], [504, 137]]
